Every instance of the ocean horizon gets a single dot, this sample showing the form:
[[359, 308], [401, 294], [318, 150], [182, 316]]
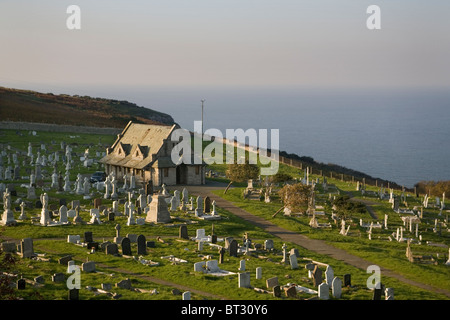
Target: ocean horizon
[[400, 135]]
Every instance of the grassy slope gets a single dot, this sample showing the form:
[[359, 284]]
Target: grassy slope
[[30, 106]]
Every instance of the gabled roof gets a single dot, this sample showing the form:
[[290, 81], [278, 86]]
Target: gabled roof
[[136, 144]]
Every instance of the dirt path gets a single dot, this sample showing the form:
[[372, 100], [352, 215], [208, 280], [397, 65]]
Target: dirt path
[[318, 246]]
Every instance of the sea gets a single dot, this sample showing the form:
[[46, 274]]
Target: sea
[[401, 135]]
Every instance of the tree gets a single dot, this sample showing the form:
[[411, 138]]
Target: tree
[[295, 196], [242, 172]]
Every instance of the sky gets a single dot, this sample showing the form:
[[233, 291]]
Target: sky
[[317, 43]]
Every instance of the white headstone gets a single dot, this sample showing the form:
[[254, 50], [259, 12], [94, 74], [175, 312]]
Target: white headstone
[[324, 291], [336, 288]]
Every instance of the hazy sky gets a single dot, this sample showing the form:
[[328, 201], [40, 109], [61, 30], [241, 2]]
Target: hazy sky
[[224, 43]]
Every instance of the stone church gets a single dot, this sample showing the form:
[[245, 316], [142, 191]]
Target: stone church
[[144, 150]]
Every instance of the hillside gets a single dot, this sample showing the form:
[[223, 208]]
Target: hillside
[[31, 106]]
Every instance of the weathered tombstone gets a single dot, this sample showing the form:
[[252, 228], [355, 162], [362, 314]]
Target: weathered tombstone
[[207, 205], [336, 287], [329, 275], [21, 284], [88, 237], [124, 284], [74, 294], [290, 292], [244, 280], [258, 273], [272, 282], [324, 291], [221, 254], [389, 294], [186, 295], [126, 247], [347, 280], [293, 261], [97, 203], [377, 294], [199, 266], [295, 251], [277, 291], [183, 234], [268, 245], [63, 214], [26, 247], [58, 277], [65, 260], [233, 248], [112, 249], [242, 265], [141, 245], [111, 216], [317, 276], [88, 266], [212, 266], [159, 212]]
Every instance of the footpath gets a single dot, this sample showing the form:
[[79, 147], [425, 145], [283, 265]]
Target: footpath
[[318, 246]]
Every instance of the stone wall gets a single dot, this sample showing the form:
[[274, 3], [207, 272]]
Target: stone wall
[[50, 127]]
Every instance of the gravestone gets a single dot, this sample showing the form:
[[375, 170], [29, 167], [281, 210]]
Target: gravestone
[[221, 254], [183, 234], [58, 277], [126, 247], [258, 273], [277, 291], [141, 245], [317, 276], [233, 248], [74, 294], [242, 265], [199, 266], [347, 280], [389, 294], [112, 249], [336, 287], [111, 216], [376, 294], [63, 214], [207, 206], [186, 295], [21, 284], [159, 212], [88, 237], [293, 261], [64, 260], [88, 266], [272, 282], [212, 266], [244, 280], [329, 275], [26, 247], [97, 203], [290, 292], [324, 291], [268, 245]]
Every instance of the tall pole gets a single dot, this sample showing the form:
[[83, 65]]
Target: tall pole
[[203, 100]]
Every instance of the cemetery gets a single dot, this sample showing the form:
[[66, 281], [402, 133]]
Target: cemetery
[[63, 237]]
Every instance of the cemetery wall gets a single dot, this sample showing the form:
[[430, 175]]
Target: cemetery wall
[[50, 127]]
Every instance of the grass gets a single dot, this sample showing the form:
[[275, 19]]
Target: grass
[[52, 242]]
